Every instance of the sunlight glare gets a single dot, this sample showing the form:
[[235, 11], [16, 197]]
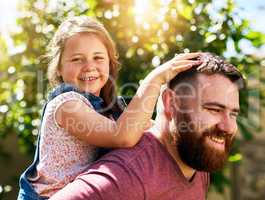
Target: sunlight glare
[[8, 15], [142, 10], [141, 6], [165, 2]]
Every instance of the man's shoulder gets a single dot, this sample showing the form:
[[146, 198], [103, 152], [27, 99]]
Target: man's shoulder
[[120, 174], [148, 145], [122, 171]]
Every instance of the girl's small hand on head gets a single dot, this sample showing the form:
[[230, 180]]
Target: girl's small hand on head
[[171, 68], [187, 56]]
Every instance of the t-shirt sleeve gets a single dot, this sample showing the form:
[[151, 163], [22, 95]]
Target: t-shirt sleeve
[[53, 105], [103, 181]]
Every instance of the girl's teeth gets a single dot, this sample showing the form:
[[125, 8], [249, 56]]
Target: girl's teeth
[[89, 78]]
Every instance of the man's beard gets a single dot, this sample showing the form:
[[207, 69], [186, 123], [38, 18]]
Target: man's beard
[[195, 152]]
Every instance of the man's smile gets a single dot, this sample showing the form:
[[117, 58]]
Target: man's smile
[[217, 141]]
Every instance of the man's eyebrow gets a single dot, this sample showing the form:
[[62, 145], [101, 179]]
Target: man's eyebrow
[[237, 110]]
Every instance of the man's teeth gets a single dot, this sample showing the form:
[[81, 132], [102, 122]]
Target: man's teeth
[[217, 139], [91, 78]]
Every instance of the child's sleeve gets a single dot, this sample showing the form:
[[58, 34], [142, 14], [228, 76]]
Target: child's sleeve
[[58, 101]]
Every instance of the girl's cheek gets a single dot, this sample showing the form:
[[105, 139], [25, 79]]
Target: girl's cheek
[[105, 70], [72, 68]]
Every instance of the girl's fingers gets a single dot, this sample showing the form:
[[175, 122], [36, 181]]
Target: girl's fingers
[[201, 66], [182, 68], [175, 70], [187, 56], [183, 62]]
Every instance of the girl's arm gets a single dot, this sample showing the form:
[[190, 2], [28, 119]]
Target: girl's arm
[[92, 127]]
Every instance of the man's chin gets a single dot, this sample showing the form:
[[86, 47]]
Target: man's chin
[[208, 158], [213, 159]]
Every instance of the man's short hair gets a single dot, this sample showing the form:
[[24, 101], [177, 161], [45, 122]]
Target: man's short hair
[[211, 64]]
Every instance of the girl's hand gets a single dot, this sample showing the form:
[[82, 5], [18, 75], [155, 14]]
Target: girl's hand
[[181, 62]]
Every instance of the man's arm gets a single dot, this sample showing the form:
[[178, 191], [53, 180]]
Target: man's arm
[[103, 181]]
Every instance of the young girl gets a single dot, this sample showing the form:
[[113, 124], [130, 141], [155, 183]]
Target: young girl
[[80, 114]]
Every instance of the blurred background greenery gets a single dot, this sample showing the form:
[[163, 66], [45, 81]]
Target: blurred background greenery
[[147, 33]]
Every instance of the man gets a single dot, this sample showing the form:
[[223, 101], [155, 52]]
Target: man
[[192, 135]]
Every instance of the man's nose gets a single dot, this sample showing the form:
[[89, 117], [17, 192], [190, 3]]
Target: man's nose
[[227, 124]]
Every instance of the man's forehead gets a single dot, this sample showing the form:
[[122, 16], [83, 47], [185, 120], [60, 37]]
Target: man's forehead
[[216, 80], [217, 88]]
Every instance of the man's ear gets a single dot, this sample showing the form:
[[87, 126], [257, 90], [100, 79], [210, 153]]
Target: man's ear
[[170, 103]]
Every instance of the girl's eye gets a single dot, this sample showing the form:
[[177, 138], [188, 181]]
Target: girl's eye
[[99, 58], [76, 60]]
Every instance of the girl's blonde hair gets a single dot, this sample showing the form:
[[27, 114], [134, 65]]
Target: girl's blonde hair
[[81, 24]]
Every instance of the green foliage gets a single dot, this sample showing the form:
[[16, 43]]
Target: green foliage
[[144, 39], [217, 178]]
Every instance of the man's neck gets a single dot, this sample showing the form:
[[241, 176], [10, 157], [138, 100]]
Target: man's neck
[[167, 140]]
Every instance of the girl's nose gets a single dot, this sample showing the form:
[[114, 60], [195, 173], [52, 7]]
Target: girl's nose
[[89, 66]]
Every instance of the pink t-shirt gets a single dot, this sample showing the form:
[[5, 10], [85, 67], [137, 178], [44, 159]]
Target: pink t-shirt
[[62, 156], [146, 171]]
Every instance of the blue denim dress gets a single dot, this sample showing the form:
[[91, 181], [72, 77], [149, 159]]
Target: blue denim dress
[[27, 191]]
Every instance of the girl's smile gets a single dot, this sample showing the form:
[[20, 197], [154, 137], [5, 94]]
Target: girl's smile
[[86, 68]]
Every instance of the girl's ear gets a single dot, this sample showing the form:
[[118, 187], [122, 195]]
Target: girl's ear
[[58, 73], [170, 102]]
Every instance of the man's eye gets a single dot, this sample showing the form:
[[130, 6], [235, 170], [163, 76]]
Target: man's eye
[[215, 110], [234, 114]]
